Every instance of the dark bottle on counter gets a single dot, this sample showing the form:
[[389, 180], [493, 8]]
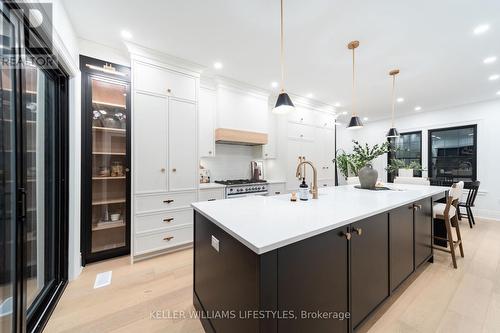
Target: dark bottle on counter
[[304, 190]]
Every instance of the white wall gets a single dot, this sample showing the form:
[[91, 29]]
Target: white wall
[[103, 52], [487, 117]]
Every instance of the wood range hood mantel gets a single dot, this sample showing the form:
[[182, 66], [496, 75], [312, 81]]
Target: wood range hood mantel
[[239, 137]]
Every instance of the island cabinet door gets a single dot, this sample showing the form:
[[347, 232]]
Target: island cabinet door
[[423, 231], [312, 280], [226, 279], [400, 244], [369, 265]]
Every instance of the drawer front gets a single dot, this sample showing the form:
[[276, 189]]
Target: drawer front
[[152, 203], [277, 189], [169, 219], [326, 182], [162, 81], [211, 194], [302, 116], [162, 240]]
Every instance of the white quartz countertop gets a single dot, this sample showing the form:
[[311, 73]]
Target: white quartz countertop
[[204, 186], [265, 223]]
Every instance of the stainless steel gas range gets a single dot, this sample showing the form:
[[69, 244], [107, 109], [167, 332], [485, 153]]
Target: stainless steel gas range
[[244, 187]]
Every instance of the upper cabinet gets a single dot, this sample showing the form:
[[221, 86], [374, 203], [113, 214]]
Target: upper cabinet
[[242, 109], [159, 80], [207, 116]]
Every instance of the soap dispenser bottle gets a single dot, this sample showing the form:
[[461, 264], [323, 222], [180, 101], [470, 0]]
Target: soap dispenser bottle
[[304, 190]]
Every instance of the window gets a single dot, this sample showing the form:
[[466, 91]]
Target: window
[[408, 149], [453, 154]]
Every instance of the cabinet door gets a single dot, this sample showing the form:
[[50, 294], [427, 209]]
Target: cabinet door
[[423, 231], [369, 265], [269, 150], [206, 141], [159, 80], [150, 143], [182, 145], [401, 244], [301, 290]]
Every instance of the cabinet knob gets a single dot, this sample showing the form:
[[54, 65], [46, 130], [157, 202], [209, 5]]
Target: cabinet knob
[[168, 220], [265, 154], [162, 169], [210, 152], [174, 170], [168, 238], [417, 207], [359, 231], [302, 135], [277, 192], [347, 235], [168, 201], [169, 90]]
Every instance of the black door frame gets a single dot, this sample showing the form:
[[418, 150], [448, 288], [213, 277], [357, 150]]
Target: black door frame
[[89, 74], [35, 319]]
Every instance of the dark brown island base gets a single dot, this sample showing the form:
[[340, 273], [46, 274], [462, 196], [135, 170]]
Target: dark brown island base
[[328, 282]]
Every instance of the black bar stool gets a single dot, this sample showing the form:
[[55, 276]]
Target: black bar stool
[[469, 203]]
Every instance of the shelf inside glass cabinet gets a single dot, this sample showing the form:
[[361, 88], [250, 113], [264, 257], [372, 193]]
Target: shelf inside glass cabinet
[[109, 152]]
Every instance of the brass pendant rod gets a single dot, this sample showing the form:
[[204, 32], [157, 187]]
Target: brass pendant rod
[[353, 85], [393, 101], [282, 54]]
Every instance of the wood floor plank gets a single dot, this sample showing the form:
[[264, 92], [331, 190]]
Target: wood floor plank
[[438, 299]]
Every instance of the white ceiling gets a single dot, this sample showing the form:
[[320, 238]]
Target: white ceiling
[[431, 41]]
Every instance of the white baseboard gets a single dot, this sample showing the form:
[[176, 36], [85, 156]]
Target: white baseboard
[[486, 214]]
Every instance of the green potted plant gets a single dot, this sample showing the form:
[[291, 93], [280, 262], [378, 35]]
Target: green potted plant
[[358, 163], [403, 169]]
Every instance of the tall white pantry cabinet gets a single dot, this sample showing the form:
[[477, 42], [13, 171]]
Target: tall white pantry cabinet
[[164, 155]]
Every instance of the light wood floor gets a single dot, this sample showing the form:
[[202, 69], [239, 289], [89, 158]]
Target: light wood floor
[[439, 299]]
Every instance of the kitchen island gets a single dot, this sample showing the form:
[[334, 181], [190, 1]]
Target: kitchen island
[[266, 264]]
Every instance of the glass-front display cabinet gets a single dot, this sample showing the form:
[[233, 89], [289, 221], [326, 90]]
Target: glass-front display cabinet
[[105, 160]]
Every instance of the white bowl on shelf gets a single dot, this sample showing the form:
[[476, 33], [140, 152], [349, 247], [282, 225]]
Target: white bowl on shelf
[[114, 217]]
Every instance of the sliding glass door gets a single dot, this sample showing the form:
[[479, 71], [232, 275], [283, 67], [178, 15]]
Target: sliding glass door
[[33, 190], [7, 182]]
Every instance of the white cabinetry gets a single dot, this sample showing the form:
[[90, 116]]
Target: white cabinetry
[[207, 116], [150, 140], [182, 145], [309, 134], [165, 156], [211, 194]]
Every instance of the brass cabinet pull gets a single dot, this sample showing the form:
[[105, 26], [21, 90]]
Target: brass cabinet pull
[[170, 219], [359, 231], [211, 200], [418, 207], [347, 235], [127, 170], [168, 201], [169, 238], [277, 192], [174, 170]]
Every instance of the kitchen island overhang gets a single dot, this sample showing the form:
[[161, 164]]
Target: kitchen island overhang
[[270, 255]]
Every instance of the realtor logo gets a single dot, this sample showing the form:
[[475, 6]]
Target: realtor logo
[[37, 45]]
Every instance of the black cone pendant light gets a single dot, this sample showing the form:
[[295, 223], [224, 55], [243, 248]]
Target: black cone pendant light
[[283, 103], [355, 122], [393, 132]]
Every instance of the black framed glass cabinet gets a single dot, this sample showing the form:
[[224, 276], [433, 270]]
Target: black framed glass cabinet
[[105, 160], [33, 173]]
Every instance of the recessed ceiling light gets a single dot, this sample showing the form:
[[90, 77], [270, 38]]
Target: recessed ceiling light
[[344, 113], [337, 104], [126, 34], [274, 84], [481, 29], [218, 65], [310, 95], [418, 108], [489, 60], [400, 100], [365, 118], [494, 77]]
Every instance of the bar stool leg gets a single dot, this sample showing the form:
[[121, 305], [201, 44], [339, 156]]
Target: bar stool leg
[[459, 236], [450, 241]]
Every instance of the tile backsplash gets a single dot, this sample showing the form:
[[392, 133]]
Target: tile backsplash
[[231, 161]]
